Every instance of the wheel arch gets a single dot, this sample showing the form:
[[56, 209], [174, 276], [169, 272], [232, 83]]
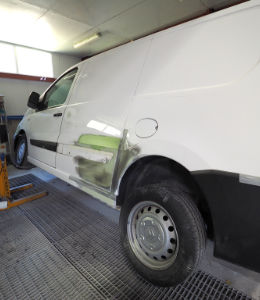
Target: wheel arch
[[153, 169]]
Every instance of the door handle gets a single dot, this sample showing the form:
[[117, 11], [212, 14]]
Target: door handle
[[57, 115]]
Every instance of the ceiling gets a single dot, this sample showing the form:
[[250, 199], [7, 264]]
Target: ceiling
[[55, 25]]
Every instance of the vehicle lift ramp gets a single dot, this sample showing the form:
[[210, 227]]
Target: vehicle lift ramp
[[6, 199]]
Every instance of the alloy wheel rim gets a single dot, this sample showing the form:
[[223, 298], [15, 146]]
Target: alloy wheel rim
[[152, 235]]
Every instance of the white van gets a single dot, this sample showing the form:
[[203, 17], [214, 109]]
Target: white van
[[168, 128]]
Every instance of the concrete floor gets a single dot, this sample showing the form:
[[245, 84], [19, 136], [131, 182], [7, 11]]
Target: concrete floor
[[238, 277]]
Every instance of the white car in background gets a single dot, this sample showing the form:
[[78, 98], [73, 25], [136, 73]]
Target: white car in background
[[168, 128]]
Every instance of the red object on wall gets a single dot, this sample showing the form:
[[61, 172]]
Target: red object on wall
[[26, 77]]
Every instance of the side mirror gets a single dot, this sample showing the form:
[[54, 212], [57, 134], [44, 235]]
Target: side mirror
[[33, 101]]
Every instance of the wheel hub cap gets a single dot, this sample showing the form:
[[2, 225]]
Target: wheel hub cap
[[152, 235]]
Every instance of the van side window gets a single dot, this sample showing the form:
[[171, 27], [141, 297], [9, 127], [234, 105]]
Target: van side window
[[58, 93]]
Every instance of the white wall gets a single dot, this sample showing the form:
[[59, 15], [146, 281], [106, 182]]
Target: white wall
[[62, 62], [16, 92]]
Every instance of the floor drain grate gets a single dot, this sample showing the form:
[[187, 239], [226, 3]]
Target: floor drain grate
[[84, 244]]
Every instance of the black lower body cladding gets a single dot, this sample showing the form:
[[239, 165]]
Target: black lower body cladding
[[235, 212]]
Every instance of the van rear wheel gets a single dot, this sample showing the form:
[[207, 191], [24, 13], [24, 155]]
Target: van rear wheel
[[163, 233]]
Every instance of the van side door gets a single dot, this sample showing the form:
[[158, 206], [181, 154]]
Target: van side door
[[93, 128]]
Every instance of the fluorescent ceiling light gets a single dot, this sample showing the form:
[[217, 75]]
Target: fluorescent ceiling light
[[87, 40]]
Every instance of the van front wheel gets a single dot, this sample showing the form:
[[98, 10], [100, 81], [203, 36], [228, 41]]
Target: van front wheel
[[163, 233], [21, 153]]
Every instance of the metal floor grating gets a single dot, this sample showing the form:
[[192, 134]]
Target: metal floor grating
[[56, 247]]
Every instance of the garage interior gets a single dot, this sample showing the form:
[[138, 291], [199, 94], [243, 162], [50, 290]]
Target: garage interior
[[66, 245]]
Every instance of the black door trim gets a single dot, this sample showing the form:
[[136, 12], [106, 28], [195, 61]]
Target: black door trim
[[45, 145]]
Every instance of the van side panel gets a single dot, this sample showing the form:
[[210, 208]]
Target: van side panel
[[201, 85], [94, 120], [212, 53]]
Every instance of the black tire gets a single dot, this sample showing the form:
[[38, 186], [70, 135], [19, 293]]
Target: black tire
[[189, 226], [21, 162]]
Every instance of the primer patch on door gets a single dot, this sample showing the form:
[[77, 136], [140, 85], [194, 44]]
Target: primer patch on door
[[101, 151], [104, 159]]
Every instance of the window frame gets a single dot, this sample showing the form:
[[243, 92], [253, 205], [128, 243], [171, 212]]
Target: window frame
[[43, 96]]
